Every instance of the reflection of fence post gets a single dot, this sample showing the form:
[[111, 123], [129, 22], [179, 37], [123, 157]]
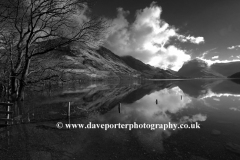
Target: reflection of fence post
[[119, 107], [69, 108], [156, 101]]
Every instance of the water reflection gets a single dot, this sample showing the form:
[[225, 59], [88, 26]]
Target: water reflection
[[213, 104], [145, 110]]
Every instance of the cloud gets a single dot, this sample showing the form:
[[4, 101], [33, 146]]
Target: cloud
[[170, 57], [206, 52], [148, 38], [234, 47], [210, 62], [215, 57], [191, 39]]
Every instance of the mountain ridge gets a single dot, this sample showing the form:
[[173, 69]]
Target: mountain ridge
[[197, 68], [148, 70]]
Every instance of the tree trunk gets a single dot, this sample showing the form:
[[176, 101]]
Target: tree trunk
[[21, 91], [13, 87]]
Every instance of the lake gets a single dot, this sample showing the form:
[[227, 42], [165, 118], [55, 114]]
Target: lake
[[213, 104]]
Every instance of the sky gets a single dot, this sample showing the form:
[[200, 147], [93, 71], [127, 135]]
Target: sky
[[167, 33]]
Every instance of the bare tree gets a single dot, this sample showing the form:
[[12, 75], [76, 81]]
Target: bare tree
[[31, 29]]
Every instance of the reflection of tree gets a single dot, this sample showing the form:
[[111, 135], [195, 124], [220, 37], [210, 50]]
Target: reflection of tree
[[29, 142], [40, 139]]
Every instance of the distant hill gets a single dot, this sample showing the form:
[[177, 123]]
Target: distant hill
[[226, 69], [172, 71], [197, 68], [147, 70]]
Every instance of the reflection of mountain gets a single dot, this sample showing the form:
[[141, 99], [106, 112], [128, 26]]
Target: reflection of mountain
[[196, 88], [197, 69], [145, 110], [236, 81], [235, 75], [93, 98], [146, 89], [227, 87], [206, 88], [44, 140]]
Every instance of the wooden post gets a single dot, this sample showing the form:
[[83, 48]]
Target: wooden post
[[6, 112], [8, 115]]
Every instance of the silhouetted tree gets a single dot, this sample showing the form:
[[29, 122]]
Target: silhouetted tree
[[30, 30]]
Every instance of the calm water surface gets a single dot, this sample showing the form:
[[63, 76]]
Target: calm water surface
[[213, 104]]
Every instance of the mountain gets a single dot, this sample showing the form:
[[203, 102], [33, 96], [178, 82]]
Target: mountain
[[226, 69], [197, 68], [147, 70], [81, 62]]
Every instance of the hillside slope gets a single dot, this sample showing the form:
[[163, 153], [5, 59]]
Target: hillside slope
[[84, 62]]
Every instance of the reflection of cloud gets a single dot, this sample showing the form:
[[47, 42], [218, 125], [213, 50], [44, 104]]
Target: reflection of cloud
[[234, 109], [216, 99], [147, 111], [212, 94], [207, 104], [234, 47], [194, 118], [146, 38]]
